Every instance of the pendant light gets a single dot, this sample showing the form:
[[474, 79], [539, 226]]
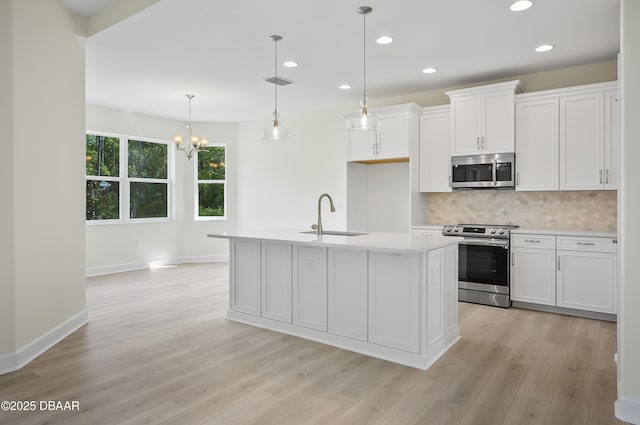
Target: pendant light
[[191, 144], [364, 121], [276, 132]]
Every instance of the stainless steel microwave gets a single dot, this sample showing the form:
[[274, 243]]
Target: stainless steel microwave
[[484, 171]]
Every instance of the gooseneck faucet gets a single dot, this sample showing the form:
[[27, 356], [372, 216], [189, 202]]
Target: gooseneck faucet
[[318, 227]]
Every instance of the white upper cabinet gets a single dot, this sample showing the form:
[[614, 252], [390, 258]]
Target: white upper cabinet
[[537, 143], [611, 140], [482, 118], [398, 125], [434, 149], [589, 138], [568, 139]]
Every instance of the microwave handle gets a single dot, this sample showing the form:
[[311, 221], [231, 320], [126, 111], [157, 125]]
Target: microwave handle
[[493, 172]]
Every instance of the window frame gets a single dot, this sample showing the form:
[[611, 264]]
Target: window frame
[[124, 181], [197, 181]]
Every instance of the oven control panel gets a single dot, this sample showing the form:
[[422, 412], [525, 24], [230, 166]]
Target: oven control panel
[[478, 230]]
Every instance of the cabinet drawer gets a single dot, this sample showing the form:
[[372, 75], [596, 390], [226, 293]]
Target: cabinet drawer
[[533, 241], [586, 243]]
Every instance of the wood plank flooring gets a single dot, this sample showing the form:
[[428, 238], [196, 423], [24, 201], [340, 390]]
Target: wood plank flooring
[[158, 350]]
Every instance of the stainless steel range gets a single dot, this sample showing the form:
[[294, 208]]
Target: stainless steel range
[[484, 267]]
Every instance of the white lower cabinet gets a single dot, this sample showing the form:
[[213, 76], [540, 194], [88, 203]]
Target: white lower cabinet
[[533, 269], [245, 277], [347, 285], [276, 281], [587, 279], [310, 287], [393, 308], [565, 271]]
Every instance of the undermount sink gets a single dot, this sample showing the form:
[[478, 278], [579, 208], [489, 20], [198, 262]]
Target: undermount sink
[[337, 233]]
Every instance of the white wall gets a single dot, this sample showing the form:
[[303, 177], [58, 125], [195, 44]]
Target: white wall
[[7, 237], [129, 246], [628, 403], [44, 251], [279, 184]]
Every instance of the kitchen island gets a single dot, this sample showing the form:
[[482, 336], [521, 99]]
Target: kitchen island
[[390, 296]]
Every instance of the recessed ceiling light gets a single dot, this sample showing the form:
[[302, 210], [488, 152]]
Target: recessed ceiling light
[[544, 48], [290, 64], [385, 39], [521, 5], [344, 87], [429, 70]]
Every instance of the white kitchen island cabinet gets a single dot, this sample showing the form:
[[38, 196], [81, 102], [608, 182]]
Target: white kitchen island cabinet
[[390, 296]]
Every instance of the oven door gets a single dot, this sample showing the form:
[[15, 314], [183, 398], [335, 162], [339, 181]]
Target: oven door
[[484, 265]]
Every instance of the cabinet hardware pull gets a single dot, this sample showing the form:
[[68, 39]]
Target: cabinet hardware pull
[[558, 262], [449, 181], [600, 176], [518, 179], [478, 143], [586, 244], [483, 145], [513, 258], [606, 176], [532, 240]]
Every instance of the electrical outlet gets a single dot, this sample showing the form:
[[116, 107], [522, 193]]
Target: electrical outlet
[[136, 243]]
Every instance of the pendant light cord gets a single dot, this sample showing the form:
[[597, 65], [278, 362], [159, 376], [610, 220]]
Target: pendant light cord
[[275, 72], [364, 58]]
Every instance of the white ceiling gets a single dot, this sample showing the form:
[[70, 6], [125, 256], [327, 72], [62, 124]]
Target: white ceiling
[[221, 51]]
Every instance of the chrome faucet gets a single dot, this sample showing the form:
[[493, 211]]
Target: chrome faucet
[[318, 227]]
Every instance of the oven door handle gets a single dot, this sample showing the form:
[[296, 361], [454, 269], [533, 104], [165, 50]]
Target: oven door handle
[[504, 243]]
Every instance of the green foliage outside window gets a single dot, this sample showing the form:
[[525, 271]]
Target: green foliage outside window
[[211, 182], [148, 200], [147, 160], [102, 156], [102, 200]]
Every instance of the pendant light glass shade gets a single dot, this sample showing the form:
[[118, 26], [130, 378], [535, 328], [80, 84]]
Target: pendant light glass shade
[[364, 121], [275, 132]]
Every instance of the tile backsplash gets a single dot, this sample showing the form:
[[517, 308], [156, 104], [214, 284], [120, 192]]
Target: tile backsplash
[[571, 210]]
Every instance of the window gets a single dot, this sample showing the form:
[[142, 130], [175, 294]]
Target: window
[[210, 185], [127, 179]]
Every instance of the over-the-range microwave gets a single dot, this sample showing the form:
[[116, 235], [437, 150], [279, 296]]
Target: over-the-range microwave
[[483, 171]]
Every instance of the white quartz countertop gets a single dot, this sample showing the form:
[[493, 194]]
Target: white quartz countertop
[[405, 242], [561, 232]]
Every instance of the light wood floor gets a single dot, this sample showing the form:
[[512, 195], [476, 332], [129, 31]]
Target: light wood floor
[[158, 350]]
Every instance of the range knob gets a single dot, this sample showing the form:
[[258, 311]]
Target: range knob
[[502, 231], [493, 231], [448, 229], [457, 229]]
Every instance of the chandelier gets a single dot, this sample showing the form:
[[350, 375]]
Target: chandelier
[[191, 144]]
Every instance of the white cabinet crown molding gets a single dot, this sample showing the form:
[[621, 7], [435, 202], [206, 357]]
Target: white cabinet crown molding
[[584, 89], [515, 85], [385, 110]]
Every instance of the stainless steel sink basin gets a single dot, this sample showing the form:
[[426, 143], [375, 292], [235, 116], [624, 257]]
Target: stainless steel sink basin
[[337, 233]]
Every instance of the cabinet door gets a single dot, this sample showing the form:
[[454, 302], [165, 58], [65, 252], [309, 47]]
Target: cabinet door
[[581, 142], [244, 293], [497, 123], [611, 140], [393, 300], [533, 275], [348, 293], [276, 281], [465, 125], [537, 144], [393, 140], [587, 281], [435, 163], [361, 145], [310, 287]]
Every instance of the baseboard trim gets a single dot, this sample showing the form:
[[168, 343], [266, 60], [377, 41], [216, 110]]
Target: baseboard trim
[[13, 361], [127, 267], [566, 311], [627, 409]]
